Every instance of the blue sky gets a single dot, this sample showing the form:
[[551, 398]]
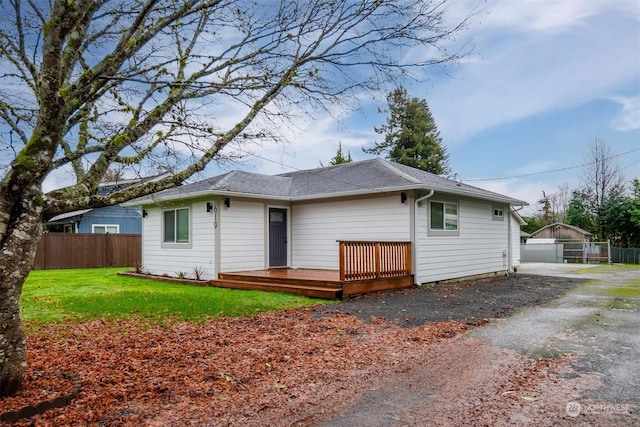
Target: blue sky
[[545, 78]]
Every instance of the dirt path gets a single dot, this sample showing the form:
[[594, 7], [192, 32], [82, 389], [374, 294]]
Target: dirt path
[[570, 362]]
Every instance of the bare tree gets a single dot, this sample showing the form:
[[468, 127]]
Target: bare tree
[[547, 215], [602, 177], [561, 201], [89, 85], [553, 206]]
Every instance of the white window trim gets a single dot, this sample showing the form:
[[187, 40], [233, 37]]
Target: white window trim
[[442, 231], [117, 226], [176, 245], [499, 217]]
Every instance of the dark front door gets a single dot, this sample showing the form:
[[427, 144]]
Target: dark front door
[[277, 237]]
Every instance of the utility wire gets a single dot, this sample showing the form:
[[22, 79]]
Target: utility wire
[[550, 171], [465, 180]]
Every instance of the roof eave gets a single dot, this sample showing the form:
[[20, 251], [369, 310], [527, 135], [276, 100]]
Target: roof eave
[[214, 193], [475, 195], [199, 194], [357, 192]]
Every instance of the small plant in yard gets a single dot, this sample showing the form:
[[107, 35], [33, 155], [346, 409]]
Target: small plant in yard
[[138, 267], [198, 273], [182, 275]]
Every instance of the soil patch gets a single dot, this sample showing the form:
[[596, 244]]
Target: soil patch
[[469, 301]]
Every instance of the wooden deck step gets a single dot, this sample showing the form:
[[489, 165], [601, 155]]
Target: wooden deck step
[[305, 289], [374, 285], [240, 277]]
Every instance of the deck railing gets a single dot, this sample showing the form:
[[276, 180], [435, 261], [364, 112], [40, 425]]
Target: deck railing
[[372, 260]]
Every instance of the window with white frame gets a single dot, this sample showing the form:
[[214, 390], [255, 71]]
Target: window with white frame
[[176, 225], [105, 228], [443, 216], [498, 214]]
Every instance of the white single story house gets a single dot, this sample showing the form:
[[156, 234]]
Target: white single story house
[[243, 221]]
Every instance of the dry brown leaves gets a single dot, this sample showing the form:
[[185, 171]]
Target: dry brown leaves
[[242, 371]]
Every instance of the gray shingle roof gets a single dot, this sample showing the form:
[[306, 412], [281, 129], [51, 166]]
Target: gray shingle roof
[[369, 176]]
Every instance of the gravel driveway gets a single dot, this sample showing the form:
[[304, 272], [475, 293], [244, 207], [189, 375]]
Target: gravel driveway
[[473, 302], [561, 348]]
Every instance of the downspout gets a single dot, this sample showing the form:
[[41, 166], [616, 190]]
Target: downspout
[[416, 235], [217, 245], [511, 268]]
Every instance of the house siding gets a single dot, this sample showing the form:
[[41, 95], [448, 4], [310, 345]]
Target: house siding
[[170, 259], [481, 246], [242, 236], [129, 219], [316, 227]]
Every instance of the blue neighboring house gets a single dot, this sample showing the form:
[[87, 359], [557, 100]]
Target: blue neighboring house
[[112, 219]]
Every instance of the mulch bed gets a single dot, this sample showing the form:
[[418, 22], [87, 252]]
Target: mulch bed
[[225, 372]]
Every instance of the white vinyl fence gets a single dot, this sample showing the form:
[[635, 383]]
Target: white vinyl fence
[[567, 251]]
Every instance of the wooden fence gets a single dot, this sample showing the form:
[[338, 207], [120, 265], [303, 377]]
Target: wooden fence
[[66, 250], [373, 260]]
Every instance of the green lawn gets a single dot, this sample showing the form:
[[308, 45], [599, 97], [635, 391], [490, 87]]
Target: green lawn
[[83, 294]]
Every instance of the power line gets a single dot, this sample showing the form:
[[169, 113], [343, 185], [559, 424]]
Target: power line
[[465, 180], [550, 171]]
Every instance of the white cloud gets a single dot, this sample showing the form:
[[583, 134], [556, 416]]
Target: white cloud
[[520, 70], [529, 192], [59, 178], [309, 143], [629, 117], [537, 15]]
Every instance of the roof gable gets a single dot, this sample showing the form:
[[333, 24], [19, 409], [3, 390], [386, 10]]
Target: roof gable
[[561, 225], [368, 176]]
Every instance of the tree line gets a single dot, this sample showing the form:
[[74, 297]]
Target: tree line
[[604, 204]]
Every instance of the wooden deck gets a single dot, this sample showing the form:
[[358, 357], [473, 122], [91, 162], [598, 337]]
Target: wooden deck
[[308, 282]]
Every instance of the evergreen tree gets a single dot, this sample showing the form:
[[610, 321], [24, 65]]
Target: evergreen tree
[[339, 158], [411, 135], [634, 210], [533, 224], [616, 220], [580, 212], [620, 221]]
